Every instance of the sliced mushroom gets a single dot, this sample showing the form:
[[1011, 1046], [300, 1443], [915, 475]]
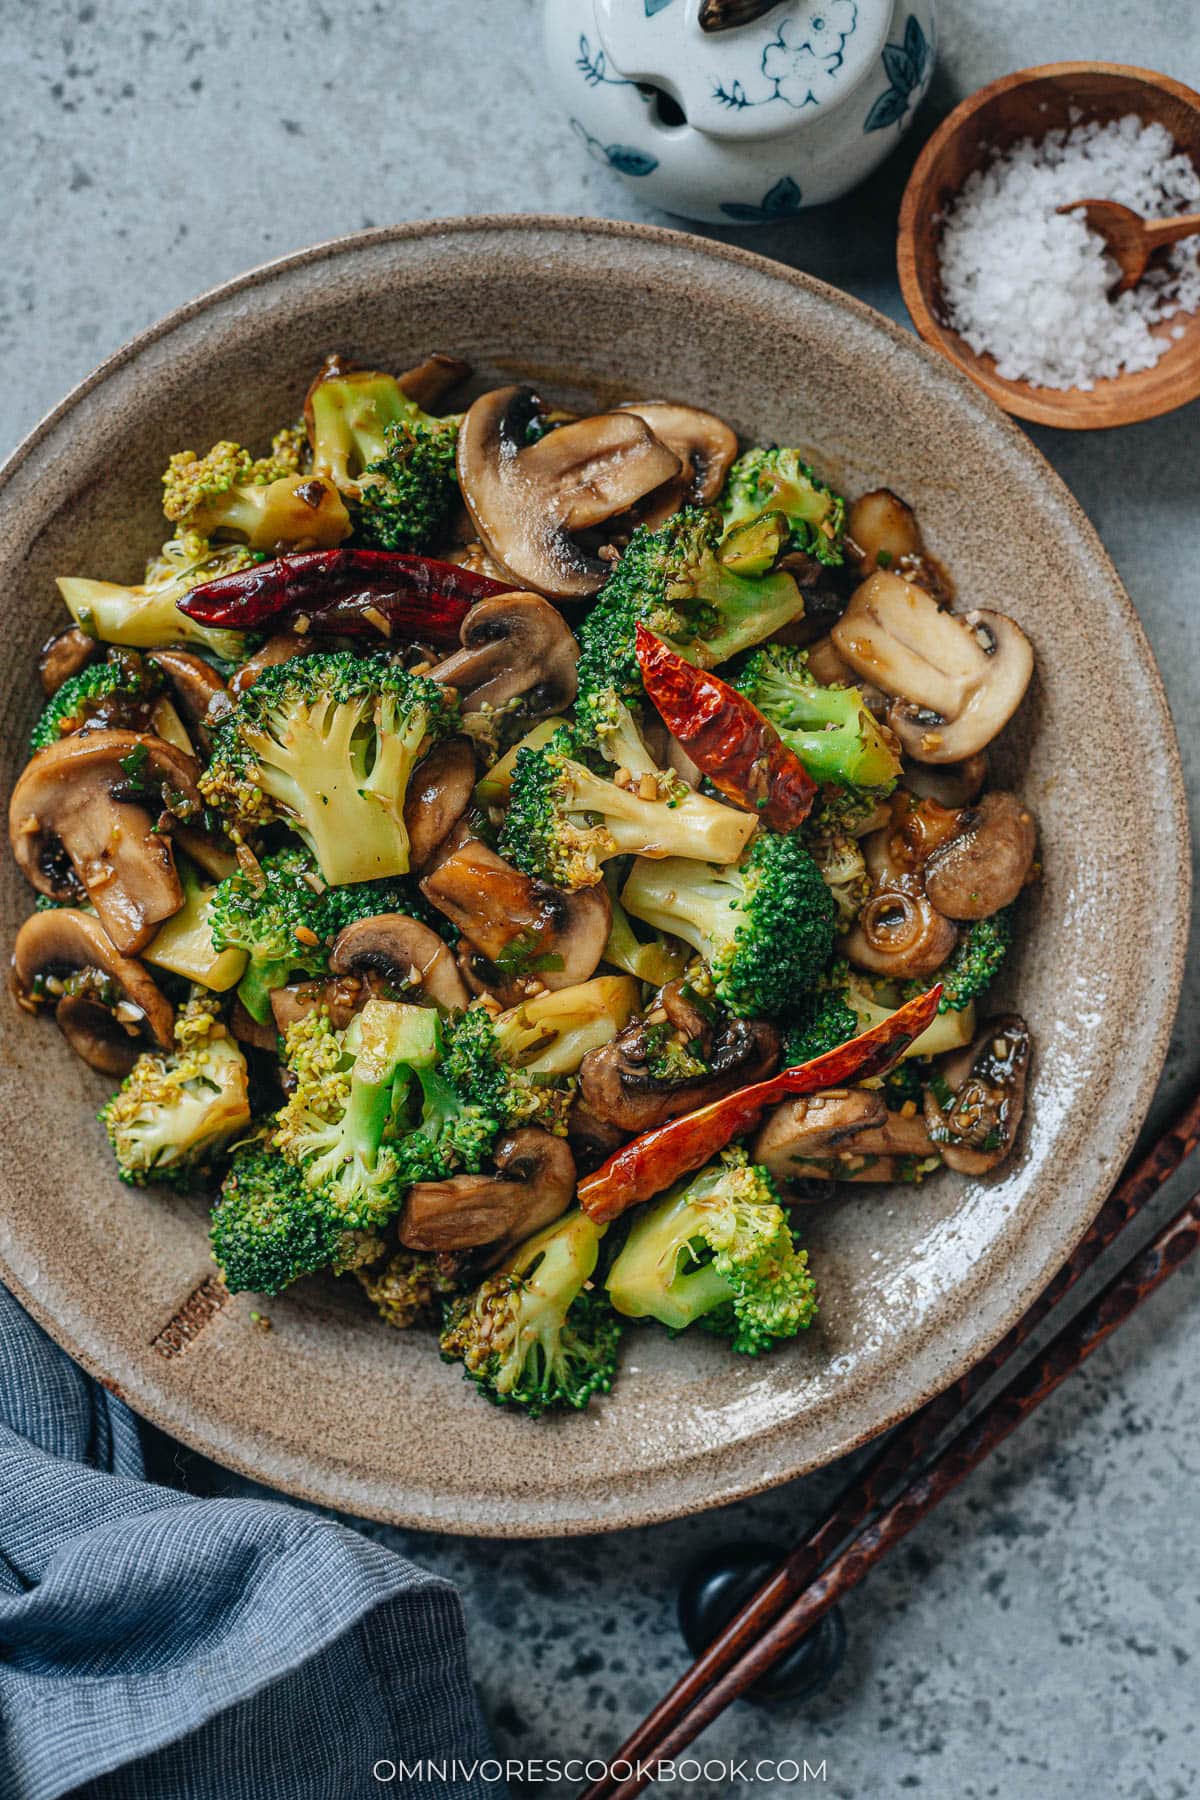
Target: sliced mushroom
[[405, 953], [513, 646], [592, 1138], [882, 533], [987, 863], [432, 379], [103, 1002], [86, 799], [438, 794], [341, 996], [528, 500], [200, 692], [884, 1152], [899, 933], [618, 1088], [705, 446], [258, 1036], [65, 655], [534, 1185], [540, 937], [956, 680], [976, 1126], [278, 649], [950, 784], [813, 1128]]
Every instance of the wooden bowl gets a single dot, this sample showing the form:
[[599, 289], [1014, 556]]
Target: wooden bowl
[[1028, 104]]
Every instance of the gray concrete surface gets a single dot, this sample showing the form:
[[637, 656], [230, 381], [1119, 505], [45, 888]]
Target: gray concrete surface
[[1040, 1638]]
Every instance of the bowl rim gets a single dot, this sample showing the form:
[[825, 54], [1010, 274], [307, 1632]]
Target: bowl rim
[[633, 1506], [1057, 408]]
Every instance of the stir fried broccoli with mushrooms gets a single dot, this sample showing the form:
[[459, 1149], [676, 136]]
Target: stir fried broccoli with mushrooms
[[475, 803]]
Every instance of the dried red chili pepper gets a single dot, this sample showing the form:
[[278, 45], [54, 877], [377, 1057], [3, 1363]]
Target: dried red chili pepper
[[660, 1157], [727, 738], [346, 591]]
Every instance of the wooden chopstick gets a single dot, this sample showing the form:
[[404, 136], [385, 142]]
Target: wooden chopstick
[[1140, 1277], [899, 1456]]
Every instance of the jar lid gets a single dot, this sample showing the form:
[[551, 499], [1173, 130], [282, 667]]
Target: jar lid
[[779, 73]]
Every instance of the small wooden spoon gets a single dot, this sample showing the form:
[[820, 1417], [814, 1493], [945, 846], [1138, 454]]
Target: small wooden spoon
[[1130, 239]]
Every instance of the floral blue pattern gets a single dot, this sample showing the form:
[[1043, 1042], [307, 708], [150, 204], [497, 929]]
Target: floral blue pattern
[[802, 61], [593, 66], [624, 158], [906, 66], [779, 202]]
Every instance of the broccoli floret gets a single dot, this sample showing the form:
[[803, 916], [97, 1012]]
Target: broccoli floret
[[673, 581], [973, 964], [285, 917], [409, 1289], [516, 1067], [780, 481], [345, 1114], [349, 413], [269, 1228], [408, 494], [564, 822], [826, 1021], [268, 503], [831, 729], [530, 1336], [657, 960], [843, 868], [447, 1134], [717, 1250], [765, 926], [146, 616], [327, 744], [119, 691], [175, 1112]]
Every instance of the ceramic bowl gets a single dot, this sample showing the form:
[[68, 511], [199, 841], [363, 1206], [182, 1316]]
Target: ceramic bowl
[[916, 1283], [1029, 104]]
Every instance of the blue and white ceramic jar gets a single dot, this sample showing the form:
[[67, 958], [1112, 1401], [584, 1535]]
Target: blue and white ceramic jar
[[744, 125]]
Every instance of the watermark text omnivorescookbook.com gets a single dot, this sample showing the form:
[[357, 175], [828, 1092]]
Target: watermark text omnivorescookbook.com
[[578, 1769]]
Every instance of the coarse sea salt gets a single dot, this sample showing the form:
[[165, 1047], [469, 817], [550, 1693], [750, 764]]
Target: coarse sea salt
[[1030, 286]]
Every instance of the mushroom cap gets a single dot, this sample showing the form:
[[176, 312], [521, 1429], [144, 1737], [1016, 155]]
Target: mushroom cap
[[513, 645], [495, 907], [618, 1089], [985, 866], [428, 381], [68, 799], [199, 690], [527, 500], [405, 953], [438, 794], [950, 784], [535, 1185], [955, 679], [64, 655], [977, 1131], [813, 1128], [706, 448], [280, 648], [62, 940]]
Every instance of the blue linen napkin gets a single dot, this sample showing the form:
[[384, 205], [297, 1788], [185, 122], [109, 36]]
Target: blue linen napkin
[[153, 1644]]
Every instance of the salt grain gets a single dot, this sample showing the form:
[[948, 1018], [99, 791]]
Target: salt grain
[[1030, 286]]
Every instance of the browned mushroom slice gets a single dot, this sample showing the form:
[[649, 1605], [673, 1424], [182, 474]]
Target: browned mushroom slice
[[618, 1087], [278, 649], [956, 680], [882, 533], [528, 931], [892, 1151], [974, 1107], [199, 691], [987, 863], [65, 655], [950, 784], [431, 380], [513, 646], [438, 794], [529, 500], [814, 1129], [87, 800], [258, 1036], [404, 953], [104, 1003], [534, 1185], [341, 996], [705, 446], [899, 933]]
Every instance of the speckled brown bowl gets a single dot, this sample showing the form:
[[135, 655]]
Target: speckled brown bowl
[[916, 1284]]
